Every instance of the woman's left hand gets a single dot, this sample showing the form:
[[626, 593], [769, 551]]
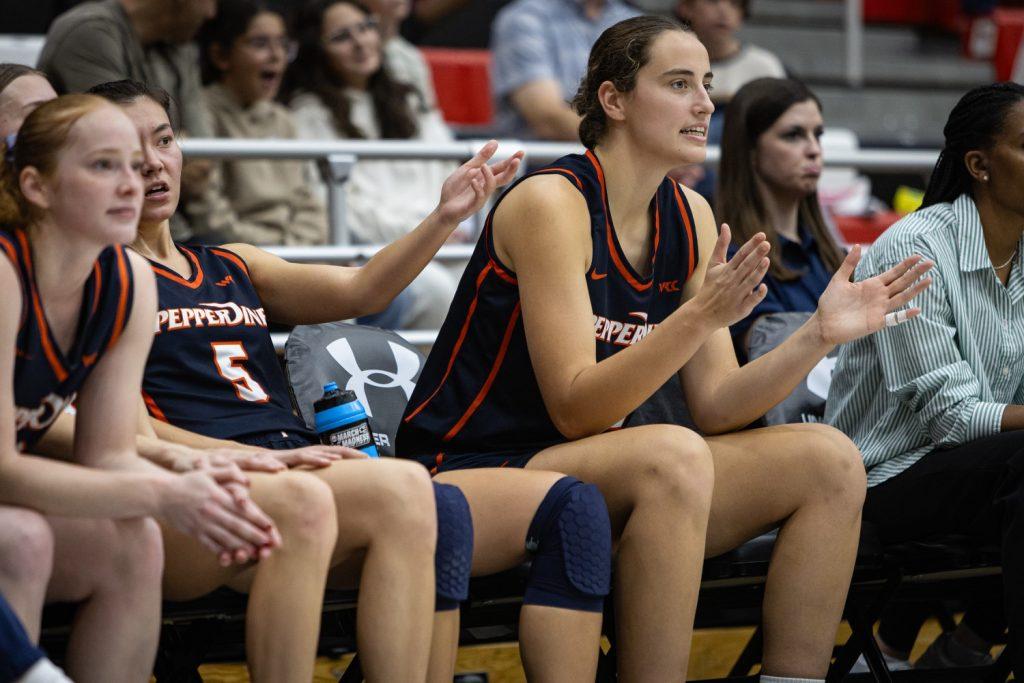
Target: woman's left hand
[[465, 191], [849, 310]]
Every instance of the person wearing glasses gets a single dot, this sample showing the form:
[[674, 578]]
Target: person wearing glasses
[[245, 50], [343, 86]]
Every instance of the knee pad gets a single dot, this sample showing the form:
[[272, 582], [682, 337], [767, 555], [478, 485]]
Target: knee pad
[[454, 555], [570, 538]]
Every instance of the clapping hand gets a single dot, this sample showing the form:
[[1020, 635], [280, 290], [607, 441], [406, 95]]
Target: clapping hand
[[848, 310], [469, 186], [732, 288]]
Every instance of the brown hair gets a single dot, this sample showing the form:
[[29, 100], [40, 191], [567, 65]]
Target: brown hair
[[617, 56], [754, 109], [40, 140], [12, 72]]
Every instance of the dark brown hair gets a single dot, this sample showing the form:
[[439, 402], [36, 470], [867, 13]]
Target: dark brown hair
[[127, 91], [617, 56], [754, 109], [11, 72], [40, 140], [311, 73]]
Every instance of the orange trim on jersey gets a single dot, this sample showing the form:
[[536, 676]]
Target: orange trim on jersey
[[232, 256], [44, 330], [152, 408], [566, 171], [174, 277], [616, 259], [692, 234], [97, 285], [9, 248], [120, 320], [437, 463], [486, 388], [503, 274], [458, 342]]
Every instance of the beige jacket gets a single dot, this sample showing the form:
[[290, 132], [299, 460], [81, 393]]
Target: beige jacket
[[269, 202]]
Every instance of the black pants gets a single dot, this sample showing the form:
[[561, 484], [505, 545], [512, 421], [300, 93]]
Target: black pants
[[976, 490]]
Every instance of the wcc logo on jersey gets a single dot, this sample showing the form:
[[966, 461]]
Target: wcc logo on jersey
[[622, 333]]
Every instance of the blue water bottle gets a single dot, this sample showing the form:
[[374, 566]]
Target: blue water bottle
[[341, 421]]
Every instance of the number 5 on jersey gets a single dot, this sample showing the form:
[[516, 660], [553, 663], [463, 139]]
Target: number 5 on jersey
[[228, 357]]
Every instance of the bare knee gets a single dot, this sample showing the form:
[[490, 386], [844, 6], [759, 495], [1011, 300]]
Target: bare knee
[[136, 555], [673, 466], [302, 507], [404, 502], [836, 466], [26, 547]]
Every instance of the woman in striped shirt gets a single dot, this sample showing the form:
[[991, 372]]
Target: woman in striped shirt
[[935, 405]]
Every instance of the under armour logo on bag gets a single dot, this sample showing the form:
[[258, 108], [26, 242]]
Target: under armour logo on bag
[[407, 363]]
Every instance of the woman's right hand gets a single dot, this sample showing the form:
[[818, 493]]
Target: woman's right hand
[[213, 505], [733, 287]]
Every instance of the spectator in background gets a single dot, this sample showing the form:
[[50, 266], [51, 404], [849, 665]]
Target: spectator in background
[[717, 24], [401, 57], [540, 52], [145, 40], [341, 87], [22, 89], [768, 182], [245, 50]]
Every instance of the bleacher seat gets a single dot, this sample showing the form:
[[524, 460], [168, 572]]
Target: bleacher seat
[[462, 80]]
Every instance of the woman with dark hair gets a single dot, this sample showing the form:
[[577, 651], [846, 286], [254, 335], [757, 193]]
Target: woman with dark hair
[[245, 50], [342, 87], [768, 183], [937, 406], [595, 281]]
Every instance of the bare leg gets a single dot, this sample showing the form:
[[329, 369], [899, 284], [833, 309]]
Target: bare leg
[[285, 590], [387, 530], [809, 478], [444, 646], [557, 644], [113, 568], [26, 557], [657, 482]]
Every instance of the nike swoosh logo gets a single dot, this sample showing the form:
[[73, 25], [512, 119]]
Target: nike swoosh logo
[[598, 276]]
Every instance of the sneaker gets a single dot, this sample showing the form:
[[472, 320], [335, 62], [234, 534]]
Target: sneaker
[[891, 663], [946, 653]]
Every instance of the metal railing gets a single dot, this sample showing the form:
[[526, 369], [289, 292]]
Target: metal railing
[[336, 159]]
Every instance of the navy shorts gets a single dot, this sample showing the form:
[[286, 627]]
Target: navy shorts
[[278, 440], [468, 461]]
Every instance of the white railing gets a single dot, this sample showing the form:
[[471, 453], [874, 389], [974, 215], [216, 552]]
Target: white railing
[[336, 159]]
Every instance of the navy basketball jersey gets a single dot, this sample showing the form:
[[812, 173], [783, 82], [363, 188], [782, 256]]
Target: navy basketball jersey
[[212, 369], [46, 380], [478, 392]]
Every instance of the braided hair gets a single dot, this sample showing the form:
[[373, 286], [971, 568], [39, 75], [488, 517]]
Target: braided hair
[[973, 124]]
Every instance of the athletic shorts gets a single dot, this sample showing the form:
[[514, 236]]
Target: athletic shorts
[[466, 461], [277, 440]]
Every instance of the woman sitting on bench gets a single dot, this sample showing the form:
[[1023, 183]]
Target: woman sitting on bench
[[937, 405], [595, 281]]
